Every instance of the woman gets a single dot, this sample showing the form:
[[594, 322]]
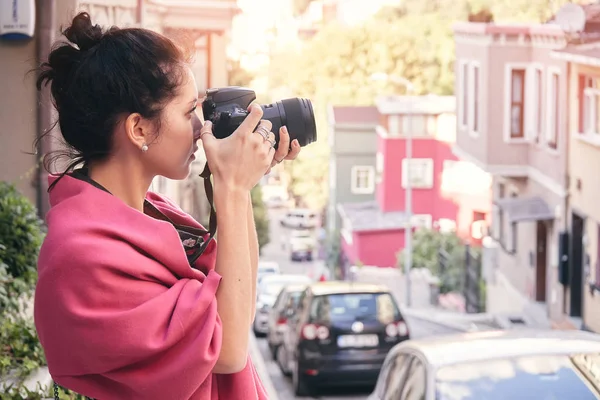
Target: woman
[[121, 309]]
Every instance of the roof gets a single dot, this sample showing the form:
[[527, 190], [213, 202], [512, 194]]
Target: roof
[[586, 54], [429, 104], [336, 287], [526, 209], [367, 216], [355, 115], [494, 28], [486, 345], [591, 29]]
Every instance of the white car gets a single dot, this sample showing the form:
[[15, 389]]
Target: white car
[[267, 268], [300, 218], [302, 245], [494, 365]]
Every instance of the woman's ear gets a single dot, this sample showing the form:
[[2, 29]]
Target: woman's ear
[[139, 130]]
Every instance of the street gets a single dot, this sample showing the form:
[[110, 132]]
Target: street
[[274, 251]]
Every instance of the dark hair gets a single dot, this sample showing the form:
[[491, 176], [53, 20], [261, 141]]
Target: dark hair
[[99, 75]]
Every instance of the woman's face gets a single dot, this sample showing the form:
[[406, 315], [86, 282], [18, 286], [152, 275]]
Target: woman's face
[[172, 152]]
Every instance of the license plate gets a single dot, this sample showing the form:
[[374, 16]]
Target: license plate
[[357, 340]]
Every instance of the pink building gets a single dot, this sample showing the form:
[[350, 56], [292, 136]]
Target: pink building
[[448, 193]]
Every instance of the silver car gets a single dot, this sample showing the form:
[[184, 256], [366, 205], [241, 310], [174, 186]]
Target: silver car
[[494, 365], [267, 291]]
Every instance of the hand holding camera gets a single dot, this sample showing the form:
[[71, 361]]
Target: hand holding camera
[[248, 152], [239, 161]]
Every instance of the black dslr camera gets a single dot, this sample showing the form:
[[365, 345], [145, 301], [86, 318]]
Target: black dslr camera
[[227, 107]]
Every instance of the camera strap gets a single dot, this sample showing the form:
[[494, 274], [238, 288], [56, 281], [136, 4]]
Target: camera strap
[[212, 224]]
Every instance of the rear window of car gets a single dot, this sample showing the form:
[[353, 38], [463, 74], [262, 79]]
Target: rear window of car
[[354, 307], [549, 377]]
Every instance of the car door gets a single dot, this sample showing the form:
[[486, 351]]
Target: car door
[[415, 386], [295, 324], [393, 375], [274, 334], [402, 377]]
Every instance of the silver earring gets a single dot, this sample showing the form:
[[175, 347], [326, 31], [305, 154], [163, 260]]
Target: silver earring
[[144, 148]]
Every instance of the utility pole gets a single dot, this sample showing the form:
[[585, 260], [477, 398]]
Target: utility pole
[[408, 247]]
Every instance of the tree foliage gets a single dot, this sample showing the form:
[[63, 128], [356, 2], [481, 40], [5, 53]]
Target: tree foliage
[[21, 234], [427, 246]]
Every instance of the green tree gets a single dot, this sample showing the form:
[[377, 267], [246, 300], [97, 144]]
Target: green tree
[[238, 76], [21, 234], [427, 244], [261, 217]]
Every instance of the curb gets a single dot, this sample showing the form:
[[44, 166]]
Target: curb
[[462, 323], [261, 368]]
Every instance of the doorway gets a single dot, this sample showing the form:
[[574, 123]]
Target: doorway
[[576, 275], [541, 262]]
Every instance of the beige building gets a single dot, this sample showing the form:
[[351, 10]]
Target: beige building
[[511, 123], [583, 105], [201, 24]]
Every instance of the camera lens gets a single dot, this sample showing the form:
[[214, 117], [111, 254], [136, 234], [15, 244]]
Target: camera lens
[[300, 120]]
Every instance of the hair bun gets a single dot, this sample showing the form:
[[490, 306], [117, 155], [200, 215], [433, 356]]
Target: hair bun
[[82, 33]]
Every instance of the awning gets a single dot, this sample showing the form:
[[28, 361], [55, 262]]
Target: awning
[[525, 209]]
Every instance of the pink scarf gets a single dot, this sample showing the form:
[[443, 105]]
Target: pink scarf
[[118, 309]]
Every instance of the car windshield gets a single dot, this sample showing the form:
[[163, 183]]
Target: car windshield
[[353, 307], [553, 377]]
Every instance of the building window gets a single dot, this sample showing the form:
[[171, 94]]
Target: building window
[[591, 106], [378, 167], [424, 221], [536, 103], [446, 225], [394, 125], [464, 93], [553, 110], [363, 179], [421, 173], [474, 100], [419, 125], [517, 103], [469, 102], [588, 97], [511, 240], [478, 226]]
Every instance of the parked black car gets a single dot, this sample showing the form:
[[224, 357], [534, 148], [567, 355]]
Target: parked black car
[[340, 335]]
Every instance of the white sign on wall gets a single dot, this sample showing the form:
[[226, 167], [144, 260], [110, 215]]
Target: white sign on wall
[[17, 19]]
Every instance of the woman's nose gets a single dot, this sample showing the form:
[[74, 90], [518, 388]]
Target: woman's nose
[[197, 126]]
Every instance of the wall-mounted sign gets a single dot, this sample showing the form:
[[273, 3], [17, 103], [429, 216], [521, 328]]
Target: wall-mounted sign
[[17, 19]]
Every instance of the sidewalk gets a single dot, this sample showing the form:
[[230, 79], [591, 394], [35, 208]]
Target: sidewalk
[[261, 368]]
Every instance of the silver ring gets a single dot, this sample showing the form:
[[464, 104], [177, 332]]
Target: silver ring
[[272, 142], [278, 161], [262, 131]]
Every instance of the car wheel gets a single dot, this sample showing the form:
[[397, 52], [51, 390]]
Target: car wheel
[[281, 360], [274, 349], [299, 382], [257, 333]]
